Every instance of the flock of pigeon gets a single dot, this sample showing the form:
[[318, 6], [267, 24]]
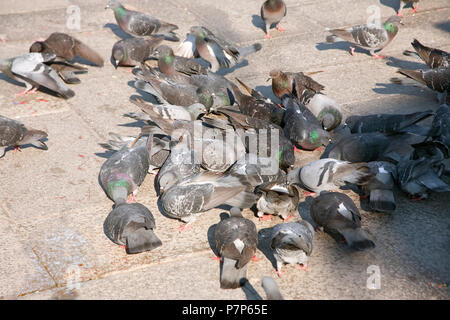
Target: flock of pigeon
[[215, 142]]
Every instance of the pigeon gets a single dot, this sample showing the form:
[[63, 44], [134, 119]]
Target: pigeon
[[339, 216], [440, 127], [434, 58], [131, 52], [217, 51], [308, 92], [139, 24], [132, 225], [181, 163], [67, 70], [292, 243], [436, 79], [379, 190], [278, 198], [31, 70], [170, 64], [385, 123], [169, 111], [403, 3], [159, 152], [167, 91], [14, 133], [418, 177], [372, 37], [67, 48], [236, 241], [122, 173], [358, 147], [271, 289], [272, 11], [330, 174], [304, 131], [292, 82], [257, 107], [201, 192]]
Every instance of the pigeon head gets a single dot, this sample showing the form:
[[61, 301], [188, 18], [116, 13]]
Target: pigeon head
[[392, 24], [113, 4], [163, 52], [34, 137], [328, 121], [167, 180], [119, 54], [199, 32], [38, 46], [205, 97]]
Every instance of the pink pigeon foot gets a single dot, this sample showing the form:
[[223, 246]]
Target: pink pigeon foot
[[289, 217], [131, 198], [352, 51], [268, 36], [312, 194], [17, 148], [280, 28], [254, 258], [217, 258], [183, 228], [320, 149], [399, 14], [279, 273], [414, 9], [265, 217], [302, 267], [378, 56]]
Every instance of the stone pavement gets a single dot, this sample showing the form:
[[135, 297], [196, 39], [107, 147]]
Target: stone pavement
[[52, 208]]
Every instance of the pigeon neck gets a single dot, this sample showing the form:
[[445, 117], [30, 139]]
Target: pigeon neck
[[119, 194], [165, 64], [391, 28], [5, 65], [120, 12], [280, 85]]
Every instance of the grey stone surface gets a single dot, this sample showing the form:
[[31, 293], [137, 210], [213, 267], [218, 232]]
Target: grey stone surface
[[52, 206]]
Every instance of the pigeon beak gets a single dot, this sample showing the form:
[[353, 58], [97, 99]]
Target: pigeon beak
[[107, 6], [116, 64], [268, 79]]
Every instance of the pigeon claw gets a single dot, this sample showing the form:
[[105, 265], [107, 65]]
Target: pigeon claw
[[216, 258], [17, 148], [279, 273], [183, 227], [302, 267], [352, 51], [379, 56], [280, 28], [268, 36], [265, 217], [308, 194], [255, 258]]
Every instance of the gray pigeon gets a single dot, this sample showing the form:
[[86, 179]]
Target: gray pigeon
[[170, 64], [181, 163], [292, 243], [418, 177], [125, 170], [14, 133], [277, 198], [31, 70], [139, 24], [132, 225], [372, 37], [131, 52], [272, 11], [330, 174], [358, 147], [379, 190], [339, 216], [271, 289], [217, 51], [385, 123], [159, 152], [236, 241]]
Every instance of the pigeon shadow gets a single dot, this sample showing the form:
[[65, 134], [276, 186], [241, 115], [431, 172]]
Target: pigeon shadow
[[264, 245], [136, 124], [405, 64], [11, 81], [105, 154], [444, 26], [144, 95], [258, 22], [225, 71], [250, 292], [394, 4], [392, 88], [340, 45], [117, 30]]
